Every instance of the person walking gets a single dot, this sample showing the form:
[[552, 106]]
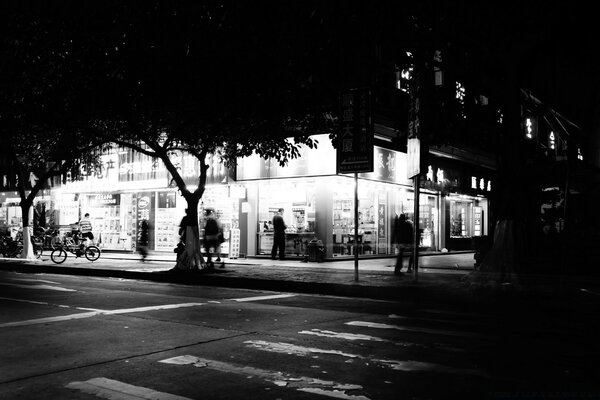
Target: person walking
[[403, 237], [212, 229], [143, 240], [279, 228]]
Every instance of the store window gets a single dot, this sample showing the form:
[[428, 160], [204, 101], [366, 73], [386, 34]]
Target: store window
[[467, 217], [297, 198], [113, 219], [343, 221], [428, 226], [460, 218], [225, 201]]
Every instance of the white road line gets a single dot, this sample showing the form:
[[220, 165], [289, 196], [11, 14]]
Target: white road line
[[33, 280], [151, 308], [278, 378], [95, 313], [115, 390], [412, 329], [24, 301], [258, 298], [49, 319], [41, 287]]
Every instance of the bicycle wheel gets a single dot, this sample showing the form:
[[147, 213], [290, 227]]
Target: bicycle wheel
[[92, 253], [58, 256]]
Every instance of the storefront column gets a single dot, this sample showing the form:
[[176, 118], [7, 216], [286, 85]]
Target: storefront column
[[252, 220], [444, 229], [324, 214]]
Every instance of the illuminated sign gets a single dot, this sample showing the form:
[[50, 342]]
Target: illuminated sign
[[530, 127], [355, 139], [478, 183]]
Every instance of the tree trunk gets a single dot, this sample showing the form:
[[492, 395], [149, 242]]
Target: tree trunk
[[191, 258], [503, 259], [27, 213]]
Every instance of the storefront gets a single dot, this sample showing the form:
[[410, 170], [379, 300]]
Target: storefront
[[130, 188], [317, 203]]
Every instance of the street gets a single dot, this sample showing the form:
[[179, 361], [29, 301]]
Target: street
[[69, 337]]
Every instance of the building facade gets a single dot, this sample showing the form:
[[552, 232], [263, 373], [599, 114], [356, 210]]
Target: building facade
[[318, 203]]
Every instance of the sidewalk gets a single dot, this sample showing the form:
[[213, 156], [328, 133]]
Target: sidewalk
[[444, 278]]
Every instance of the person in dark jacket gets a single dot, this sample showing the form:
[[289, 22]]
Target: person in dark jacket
[[143, 240], [212, 231], [279, 228], [403, 237]]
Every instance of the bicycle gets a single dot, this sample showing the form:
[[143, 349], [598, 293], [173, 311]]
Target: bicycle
[[59, 255], [10, 247]]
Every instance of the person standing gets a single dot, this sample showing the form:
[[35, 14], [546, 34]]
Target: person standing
[[403, 237], [279, 228], [143, 240], [212, 229]]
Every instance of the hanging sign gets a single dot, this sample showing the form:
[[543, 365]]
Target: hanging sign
[[355, 139]]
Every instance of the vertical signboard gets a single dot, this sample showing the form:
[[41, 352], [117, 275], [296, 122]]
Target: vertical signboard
[[167, 230], [355, 139], [413, 153], [382, 226], [145, 211]]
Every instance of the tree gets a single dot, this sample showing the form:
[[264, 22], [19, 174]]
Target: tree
[[43, 116], [203, 80]]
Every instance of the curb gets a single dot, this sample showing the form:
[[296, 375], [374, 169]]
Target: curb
[[410, 292]]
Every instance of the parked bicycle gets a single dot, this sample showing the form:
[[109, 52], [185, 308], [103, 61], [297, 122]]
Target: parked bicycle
[[10, 247], [48, 239], [59, 254]]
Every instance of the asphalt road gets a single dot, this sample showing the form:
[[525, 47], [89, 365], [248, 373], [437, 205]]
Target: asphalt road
[[68, 337]]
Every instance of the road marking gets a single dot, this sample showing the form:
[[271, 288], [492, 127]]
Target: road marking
[[151, 308], [406, 366], [95, 313], [281, 379], [24, 301], [411, 329], [342, 335], [41, 287], [115, 390], [258, 298], [49, 319], [288, 348], [33, 280]]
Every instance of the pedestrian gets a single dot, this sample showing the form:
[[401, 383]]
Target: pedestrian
[[183, 226], [403, 238], [212, 229], [143, 240], [85, 228], [279, 228], [220, 241]]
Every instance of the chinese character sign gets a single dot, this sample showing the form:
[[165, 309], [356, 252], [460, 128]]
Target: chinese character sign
[[355, 138]]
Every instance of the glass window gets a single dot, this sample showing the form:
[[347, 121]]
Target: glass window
[[297, 198], [461, 218]]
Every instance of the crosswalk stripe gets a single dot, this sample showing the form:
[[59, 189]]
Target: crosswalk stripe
[[116, 390], [405, 365], [281, 379], [342, 335], [411, 329]]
